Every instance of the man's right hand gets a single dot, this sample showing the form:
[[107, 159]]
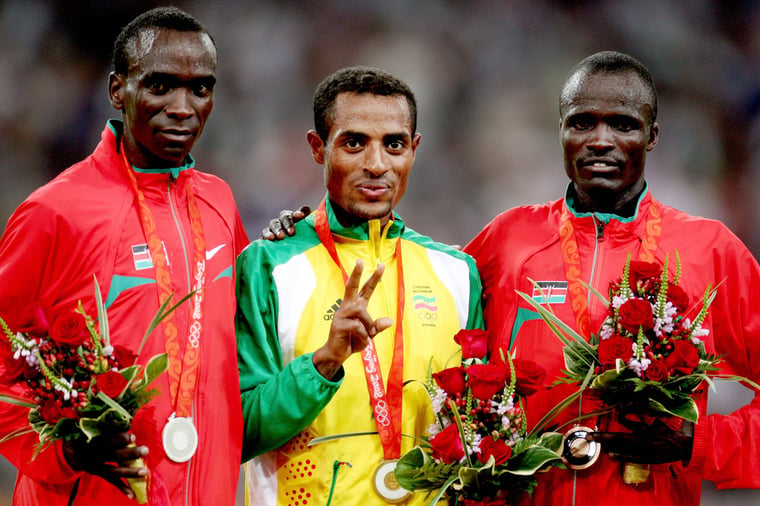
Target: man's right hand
[[352, 326], [280, 228], [108, 457]]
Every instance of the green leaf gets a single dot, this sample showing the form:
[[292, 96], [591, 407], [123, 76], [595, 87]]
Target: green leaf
[[604, 379], [685, 408], [160, 315], [17, 401], [102, 314]]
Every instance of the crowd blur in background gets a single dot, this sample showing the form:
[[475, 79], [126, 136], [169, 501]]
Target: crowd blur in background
[[486, 73]]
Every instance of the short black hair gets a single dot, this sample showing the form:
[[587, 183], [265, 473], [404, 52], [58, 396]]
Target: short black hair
[[166, 18], [357, 79], [613, 62]]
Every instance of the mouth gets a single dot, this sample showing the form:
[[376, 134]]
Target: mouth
[[373, 190], [601, 165], [177, 134]]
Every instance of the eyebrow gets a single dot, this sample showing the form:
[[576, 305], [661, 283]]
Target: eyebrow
[[175, 81]]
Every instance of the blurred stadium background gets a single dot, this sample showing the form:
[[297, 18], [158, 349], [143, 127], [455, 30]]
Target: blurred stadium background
[[486, 74]]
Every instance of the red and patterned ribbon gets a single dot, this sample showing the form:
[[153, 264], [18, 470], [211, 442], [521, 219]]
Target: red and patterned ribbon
[[571, 257], [183, 372], [386, 404]]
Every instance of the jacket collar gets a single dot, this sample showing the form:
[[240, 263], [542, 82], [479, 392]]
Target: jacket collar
[[606, 218]]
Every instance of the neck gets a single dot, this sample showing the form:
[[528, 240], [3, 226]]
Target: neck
[[621, 204]]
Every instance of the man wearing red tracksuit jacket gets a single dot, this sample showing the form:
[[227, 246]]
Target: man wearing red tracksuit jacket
[[608, 109], [91, 220]]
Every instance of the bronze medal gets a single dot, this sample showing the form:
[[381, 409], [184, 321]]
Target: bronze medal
[[577, 451]]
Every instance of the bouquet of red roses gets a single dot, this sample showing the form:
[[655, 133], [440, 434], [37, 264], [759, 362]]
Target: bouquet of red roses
[[76, 384], [648, 356], [479, 450]]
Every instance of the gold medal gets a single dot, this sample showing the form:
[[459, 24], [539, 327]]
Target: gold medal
[[385, 484], [577, 451]]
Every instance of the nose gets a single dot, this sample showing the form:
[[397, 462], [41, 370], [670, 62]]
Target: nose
[[180, 104], [601, 138], [376, 159]]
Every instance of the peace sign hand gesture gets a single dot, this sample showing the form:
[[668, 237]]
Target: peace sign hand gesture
[[352, 326]]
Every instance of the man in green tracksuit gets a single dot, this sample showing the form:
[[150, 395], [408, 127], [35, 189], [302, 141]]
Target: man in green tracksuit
[[312, 360]]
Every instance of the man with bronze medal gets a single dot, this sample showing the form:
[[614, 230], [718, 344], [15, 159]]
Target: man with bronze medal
[[335, 323], [608, 125]]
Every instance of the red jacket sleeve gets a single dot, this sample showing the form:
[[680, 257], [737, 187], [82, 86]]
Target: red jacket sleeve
[[25, 252], [728, 446]]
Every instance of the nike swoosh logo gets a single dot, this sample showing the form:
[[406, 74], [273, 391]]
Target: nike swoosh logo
[[210, 253]]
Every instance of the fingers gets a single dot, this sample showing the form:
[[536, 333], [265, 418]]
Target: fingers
[[352, 285], [302, 213]]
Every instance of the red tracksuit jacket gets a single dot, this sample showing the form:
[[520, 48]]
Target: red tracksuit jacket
[[525, 243], [85, 222]]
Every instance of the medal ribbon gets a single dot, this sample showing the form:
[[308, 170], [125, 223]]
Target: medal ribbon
[[386, 404], [571, 258], [183, 373]]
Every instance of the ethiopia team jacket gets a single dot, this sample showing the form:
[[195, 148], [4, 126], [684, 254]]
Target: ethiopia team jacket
[[526, 243], [85, 222], [287, 294]]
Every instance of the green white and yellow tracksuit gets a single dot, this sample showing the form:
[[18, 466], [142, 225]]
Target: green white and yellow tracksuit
[[287, 292]]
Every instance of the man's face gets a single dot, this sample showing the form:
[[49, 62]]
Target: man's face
[[368, 153], [605, 134], [166, 97]]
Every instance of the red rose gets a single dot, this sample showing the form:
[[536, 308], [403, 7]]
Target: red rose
[[486, 380], [530, 377], [684, 357], [33, 321], [110, 383], [490, 446], [447, 445], [50, 412], [124, 356], [635, 313], [474, 343], [656, 371], [641, 271], [451, 380], [146, 433], [69, 329], [613, 348], [678, 297], [489, 501]]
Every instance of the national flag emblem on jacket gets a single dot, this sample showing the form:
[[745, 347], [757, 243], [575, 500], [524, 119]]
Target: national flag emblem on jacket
[[550, 292], [141, 256]]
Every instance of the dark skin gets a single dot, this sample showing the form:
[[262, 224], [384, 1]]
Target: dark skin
[[606, 130], [165, 99]]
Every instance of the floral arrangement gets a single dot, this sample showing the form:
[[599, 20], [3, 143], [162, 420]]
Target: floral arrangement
[[648, 357], [76, 384], [479, 450]]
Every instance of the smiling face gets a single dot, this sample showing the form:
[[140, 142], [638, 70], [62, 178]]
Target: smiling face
[[367, 155], [605, 131], [166, 96]]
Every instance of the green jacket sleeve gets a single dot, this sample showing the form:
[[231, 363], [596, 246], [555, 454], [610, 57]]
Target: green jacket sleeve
[[278, 400]]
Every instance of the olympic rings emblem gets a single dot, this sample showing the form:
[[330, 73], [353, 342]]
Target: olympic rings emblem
[[381, 413], [195, 334]]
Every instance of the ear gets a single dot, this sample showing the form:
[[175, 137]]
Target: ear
[[654, 134], [116, 85], [416, 142], [317, 146]]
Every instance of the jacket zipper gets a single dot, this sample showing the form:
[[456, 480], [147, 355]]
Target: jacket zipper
[[172, 185]]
